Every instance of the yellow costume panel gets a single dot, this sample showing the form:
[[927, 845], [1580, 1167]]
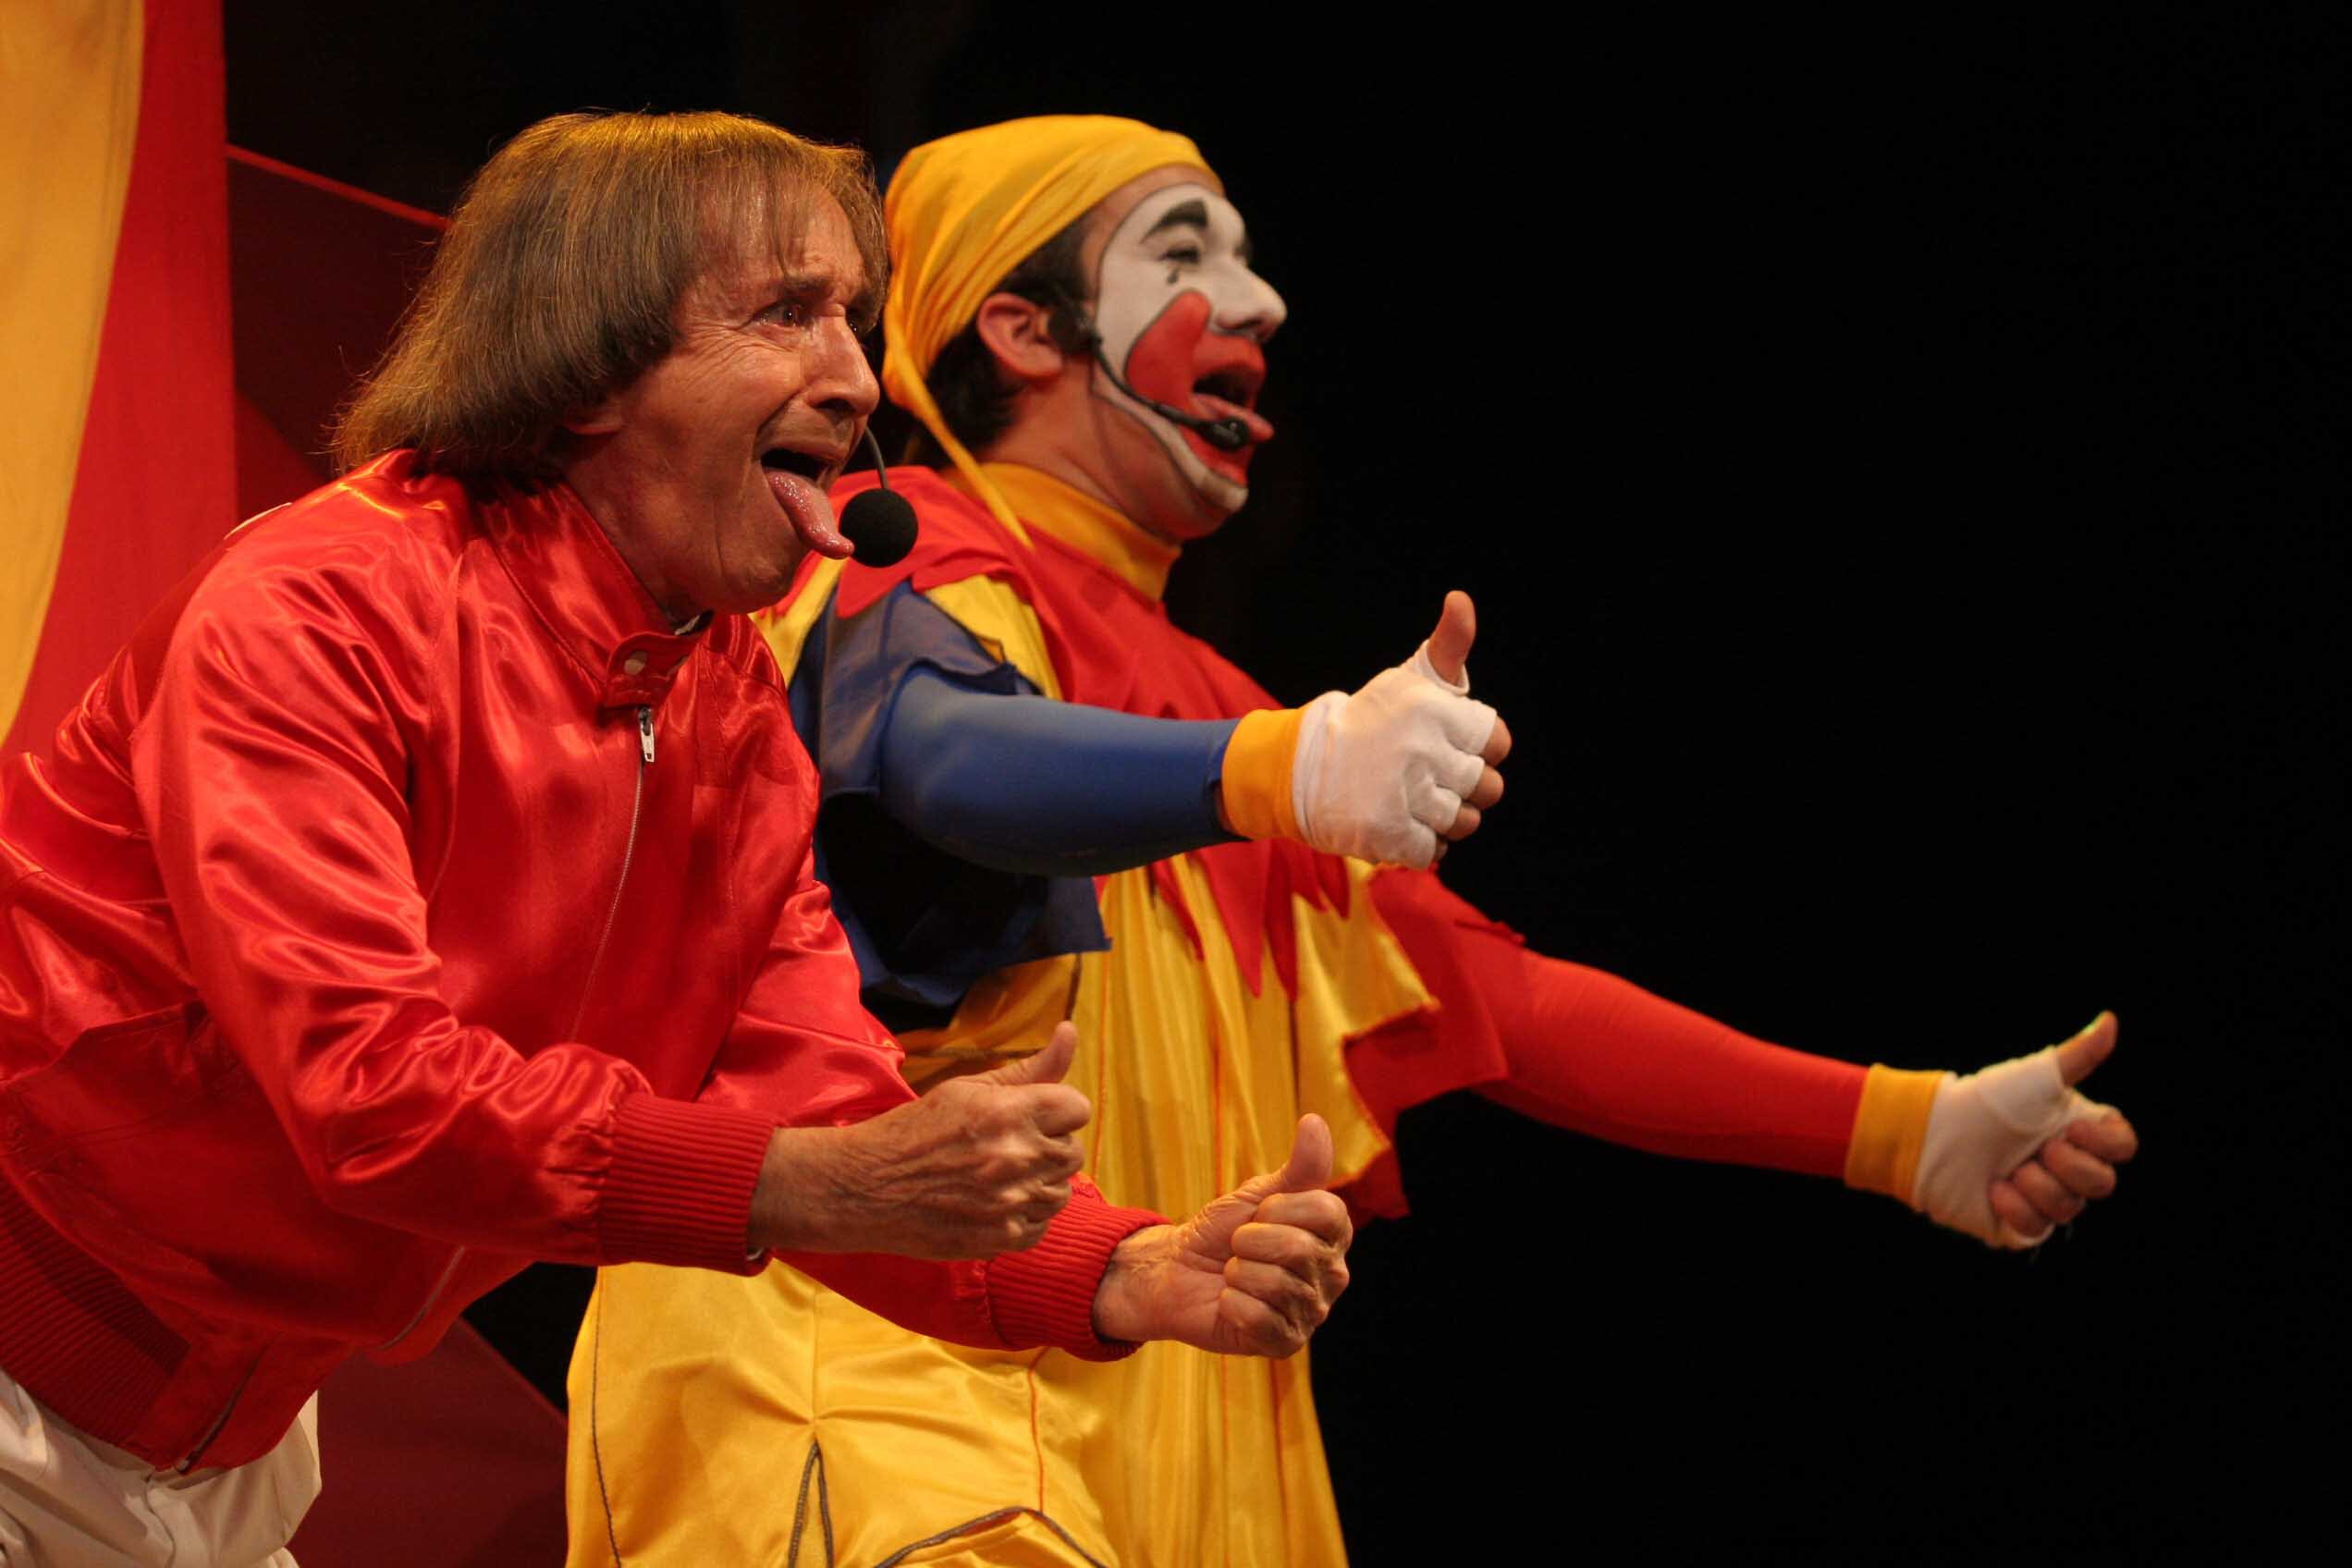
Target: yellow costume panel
[[713, 1418]]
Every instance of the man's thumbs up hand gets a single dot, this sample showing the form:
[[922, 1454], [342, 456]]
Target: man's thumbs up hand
[[978, 1166], [1253, 1273]]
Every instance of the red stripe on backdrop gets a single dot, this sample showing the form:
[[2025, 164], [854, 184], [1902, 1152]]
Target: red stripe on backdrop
[[413, 217], [319, 273], [156, 483]]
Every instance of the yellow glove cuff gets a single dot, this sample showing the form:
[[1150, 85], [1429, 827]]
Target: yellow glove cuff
[[1889, 1128], [1255, 783]]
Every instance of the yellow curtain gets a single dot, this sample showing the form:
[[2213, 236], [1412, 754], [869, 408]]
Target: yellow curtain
[[68, 119]]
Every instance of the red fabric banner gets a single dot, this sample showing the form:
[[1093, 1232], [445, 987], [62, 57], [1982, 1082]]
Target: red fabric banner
[[155, 487]]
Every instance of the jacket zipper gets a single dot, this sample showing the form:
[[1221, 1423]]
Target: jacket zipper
[[431, 1296], [627, 854], [185, 1465], [587, 987]]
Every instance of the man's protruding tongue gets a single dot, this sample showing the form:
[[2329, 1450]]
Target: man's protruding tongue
[[811, 511]]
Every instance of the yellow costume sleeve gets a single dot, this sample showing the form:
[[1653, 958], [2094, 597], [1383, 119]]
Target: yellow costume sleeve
[[1257, 785]]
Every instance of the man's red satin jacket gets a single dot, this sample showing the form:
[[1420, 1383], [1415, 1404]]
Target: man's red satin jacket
[[405, 904]]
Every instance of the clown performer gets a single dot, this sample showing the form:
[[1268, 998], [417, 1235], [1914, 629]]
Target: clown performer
[[1044, 802], [426, 889]]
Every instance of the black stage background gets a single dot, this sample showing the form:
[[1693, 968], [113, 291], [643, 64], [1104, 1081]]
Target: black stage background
[[1896, 466]]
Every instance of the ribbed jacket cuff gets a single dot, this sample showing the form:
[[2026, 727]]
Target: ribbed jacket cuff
[[1046, 1295], [679, 1190], [71, 1333]]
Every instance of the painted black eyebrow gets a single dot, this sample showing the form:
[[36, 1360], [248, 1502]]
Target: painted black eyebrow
[[1184, 214]]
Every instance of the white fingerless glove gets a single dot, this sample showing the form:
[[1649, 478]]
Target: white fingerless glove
[[1381, 772], [1983, 1127]]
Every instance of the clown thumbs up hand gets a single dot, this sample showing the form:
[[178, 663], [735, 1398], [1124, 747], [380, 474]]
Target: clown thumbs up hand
[[1391, 772], [2004, 1154]]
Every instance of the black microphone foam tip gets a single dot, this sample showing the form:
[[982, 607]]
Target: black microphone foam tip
[[881, 525]]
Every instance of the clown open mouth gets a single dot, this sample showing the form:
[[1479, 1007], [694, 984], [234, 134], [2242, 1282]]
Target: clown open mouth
[[1234, 388], [1230, 393]]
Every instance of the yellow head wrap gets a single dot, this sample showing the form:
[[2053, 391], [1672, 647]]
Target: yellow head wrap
[[965, 210]]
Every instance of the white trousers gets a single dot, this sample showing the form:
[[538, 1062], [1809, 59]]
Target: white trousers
[[67, 1501]]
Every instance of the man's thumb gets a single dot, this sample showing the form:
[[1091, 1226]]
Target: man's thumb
[[2088, 1050], [1450, 644], [1309, 1167], [1045, 1067]]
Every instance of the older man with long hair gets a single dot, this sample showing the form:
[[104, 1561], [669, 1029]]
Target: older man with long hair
[[426, 889]]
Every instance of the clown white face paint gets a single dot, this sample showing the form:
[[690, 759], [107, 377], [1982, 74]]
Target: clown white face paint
[[1181, 318]]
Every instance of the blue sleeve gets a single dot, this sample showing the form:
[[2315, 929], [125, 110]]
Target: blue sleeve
[[1022, 783], [944, 868]]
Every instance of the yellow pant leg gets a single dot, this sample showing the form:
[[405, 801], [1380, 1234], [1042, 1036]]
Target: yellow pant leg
[[710, 1391], [695, 1399], [1021, 1541]]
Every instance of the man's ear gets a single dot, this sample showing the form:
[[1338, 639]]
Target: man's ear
[[602, 418], [1020, 333]]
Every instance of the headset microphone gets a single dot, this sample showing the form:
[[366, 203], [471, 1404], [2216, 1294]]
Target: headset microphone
[[1225, 435], [879, 522]]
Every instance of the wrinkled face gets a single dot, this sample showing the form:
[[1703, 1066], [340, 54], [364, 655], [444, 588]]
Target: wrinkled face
[[710, 469], [1182, 319]]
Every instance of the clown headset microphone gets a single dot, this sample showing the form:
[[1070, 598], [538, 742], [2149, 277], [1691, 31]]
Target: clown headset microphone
[[1225, 435], [878, 523]]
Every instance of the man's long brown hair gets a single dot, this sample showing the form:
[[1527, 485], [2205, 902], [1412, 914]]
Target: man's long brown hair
[[559, 279]]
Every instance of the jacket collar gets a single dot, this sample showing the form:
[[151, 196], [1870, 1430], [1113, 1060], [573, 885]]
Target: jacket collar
[[567, 569]]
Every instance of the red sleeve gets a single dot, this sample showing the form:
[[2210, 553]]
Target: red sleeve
[[1600, 1055], [804, 1046], [803, 1052], [1583, 1049], [271, 766], [1042, 1297]]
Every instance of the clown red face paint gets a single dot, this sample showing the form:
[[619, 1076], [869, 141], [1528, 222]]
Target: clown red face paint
[[1181, 319]]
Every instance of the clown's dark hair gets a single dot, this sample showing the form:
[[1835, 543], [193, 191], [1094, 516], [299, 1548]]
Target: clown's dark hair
[[975, 396]]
